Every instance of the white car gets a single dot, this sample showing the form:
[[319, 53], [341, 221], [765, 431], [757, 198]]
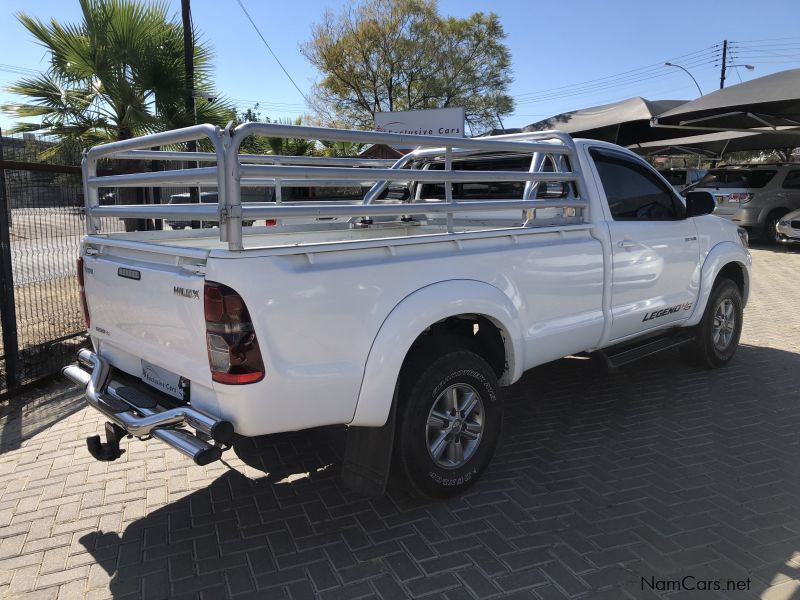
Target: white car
[[756, 196], [405, 323], [788, 227]]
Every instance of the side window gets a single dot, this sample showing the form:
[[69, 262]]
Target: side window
[[792, 181], [633, 192], [496, 190]]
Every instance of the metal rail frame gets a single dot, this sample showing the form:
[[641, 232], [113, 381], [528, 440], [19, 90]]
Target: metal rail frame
[[234, 170]]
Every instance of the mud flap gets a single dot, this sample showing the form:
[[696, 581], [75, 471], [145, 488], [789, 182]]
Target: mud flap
[[368, 455]]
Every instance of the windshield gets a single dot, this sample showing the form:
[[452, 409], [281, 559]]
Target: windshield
[[737, 178], [674, 177]]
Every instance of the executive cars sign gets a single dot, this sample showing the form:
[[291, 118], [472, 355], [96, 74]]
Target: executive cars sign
[[434, 121]]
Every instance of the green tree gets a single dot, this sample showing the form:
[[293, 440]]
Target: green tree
[[342, 149], [291, 146], [256, 144], [385, 55], [116, 74]]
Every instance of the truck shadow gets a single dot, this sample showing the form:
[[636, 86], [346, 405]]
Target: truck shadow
[[603, 484]]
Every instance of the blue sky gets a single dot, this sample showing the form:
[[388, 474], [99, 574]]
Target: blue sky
[[565, 55]]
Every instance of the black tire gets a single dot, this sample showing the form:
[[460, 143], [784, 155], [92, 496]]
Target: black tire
[[715, 344], [427, 384], [770, 233]]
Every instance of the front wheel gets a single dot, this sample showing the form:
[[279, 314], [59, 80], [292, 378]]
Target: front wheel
[[771, 226], [719, 332], [450, 420]]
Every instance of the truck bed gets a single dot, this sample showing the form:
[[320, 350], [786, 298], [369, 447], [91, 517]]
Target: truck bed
[[294, 236]]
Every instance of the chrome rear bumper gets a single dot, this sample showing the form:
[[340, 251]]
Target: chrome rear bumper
[[155, 420]]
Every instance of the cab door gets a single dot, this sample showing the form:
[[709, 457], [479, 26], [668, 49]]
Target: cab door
[[655, 251]]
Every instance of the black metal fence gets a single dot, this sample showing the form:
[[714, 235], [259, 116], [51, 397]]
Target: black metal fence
[[41, 224]]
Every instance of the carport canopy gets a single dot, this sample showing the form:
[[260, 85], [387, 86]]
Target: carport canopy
[[715, 145], [770, 101], [625, 122]]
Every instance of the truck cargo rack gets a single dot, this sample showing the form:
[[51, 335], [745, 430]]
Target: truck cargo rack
[[231, 171]]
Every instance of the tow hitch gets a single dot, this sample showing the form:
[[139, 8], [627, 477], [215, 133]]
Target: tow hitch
[[134, 413], [109, 450]]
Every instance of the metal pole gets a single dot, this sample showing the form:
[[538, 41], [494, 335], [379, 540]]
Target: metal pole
[[448, 185], [188, 82], [685, 70], [8, 312], [156, 191], [724, 61]]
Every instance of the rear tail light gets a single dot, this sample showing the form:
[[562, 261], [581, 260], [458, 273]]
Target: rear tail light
[[271, 222], [233, 352], [86, 318]]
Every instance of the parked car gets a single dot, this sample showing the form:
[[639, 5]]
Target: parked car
[[754, 196], [405, 329], [187, 198], [205, 198], [788, 228], [680, 179]]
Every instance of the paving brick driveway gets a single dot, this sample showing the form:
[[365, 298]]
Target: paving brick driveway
[[661, 472]]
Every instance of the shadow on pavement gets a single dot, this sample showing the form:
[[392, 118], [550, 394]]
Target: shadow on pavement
[[783, 248], [603, 483], [35, 410]]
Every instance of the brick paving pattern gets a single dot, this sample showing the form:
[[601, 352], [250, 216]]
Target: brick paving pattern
[[663, 471]]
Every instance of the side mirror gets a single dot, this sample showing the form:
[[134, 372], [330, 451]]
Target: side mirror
[[699, 203]]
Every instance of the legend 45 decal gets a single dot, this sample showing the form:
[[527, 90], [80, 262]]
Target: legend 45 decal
[[666, 311]]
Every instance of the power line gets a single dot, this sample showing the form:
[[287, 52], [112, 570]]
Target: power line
[[268, 103], [688, 57], [761, 53], [619, 83], [610, 98], [249, 18], [766, 46], [793, 37], [627, 82], [18, 70], [775, 62]]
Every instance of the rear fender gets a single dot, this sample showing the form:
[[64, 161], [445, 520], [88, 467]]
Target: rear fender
[[719, 256], [411, 317]]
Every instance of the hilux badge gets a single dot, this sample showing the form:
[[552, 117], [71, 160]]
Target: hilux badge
[[186, 293]]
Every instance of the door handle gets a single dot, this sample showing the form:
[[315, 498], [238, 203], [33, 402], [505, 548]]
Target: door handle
[[625, 244]]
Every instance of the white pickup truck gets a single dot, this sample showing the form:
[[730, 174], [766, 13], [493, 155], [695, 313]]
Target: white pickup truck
[[400, 316]]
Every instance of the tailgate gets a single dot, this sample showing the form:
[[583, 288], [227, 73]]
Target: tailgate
[[148, 307], [727, 200]]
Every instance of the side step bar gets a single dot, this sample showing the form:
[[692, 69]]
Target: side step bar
[[616, 357], [127, 418]]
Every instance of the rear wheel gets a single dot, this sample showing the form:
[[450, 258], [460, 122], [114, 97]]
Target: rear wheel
[[719, 331], [450, 417]]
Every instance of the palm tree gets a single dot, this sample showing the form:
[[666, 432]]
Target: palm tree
[[343, 149], [116, 74], [291, 146]]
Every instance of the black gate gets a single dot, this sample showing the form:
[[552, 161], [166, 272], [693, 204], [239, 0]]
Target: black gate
[[41, 224]]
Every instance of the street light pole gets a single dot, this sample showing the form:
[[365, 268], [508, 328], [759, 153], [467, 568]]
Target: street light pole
[[669, 64]]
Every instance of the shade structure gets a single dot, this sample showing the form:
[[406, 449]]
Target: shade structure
[[625, 122], [715, 145], [769, 101]]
